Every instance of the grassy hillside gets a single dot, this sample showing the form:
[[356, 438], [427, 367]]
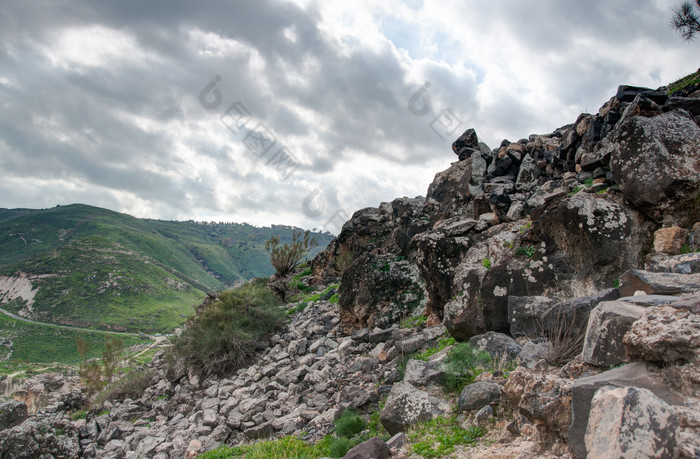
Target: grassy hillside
[[23, 342], [96, 268]]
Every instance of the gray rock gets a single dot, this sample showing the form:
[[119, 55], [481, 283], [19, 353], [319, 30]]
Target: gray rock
[[631, 422], [607, 325], [665, 334], [535, 350], [525, 314], [583, 390], [654, 159], [479, 394], [407, 405], [649, 300], [658, 283], [12, 413], [687, 263], [498, 345], [423, 374], [397, 441], [374, 448], [483, 414]]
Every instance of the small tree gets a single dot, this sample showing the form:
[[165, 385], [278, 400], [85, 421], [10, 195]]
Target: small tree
[[286, 257], [686, 20], [111, 356]]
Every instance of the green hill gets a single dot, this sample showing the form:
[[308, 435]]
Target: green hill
[[95, 268]]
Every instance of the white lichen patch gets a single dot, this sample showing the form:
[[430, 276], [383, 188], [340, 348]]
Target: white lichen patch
[[500, 291]]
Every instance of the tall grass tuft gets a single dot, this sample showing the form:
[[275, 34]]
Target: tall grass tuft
[[225, 335]]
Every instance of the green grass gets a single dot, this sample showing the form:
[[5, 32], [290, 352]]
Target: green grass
[[486, 263], [465, 362], [286, 447], [32, 343], [413, 322], [438, 437], [688, 80], [106, 270], [442, 344]]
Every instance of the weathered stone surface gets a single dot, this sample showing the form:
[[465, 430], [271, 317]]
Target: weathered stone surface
[[607, 324], [658, 283], [12, 413], [423, 374], [542, 398], [593, 239], [498, 345], [665, 334], [36, 438], [450, 190], [670, 240], [378, 290], [582, 392], [374, 448], [688, 263], [479, 394], [631, 422], [525, 314], [534, 350], [656, 162], [407, 405]]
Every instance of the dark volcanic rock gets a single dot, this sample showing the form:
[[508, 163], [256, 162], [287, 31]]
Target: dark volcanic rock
[[656, 162]]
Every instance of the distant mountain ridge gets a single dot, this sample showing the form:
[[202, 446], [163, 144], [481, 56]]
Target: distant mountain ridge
[[94, 267]]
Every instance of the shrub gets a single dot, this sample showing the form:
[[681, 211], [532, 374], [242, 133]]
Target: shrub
[[131, 385], [285, 447], [286, 257], [344, 261], [225, 335], [339, 446], [463, 363], [349, 423], [82, 414], [565, 336], [525, 250]]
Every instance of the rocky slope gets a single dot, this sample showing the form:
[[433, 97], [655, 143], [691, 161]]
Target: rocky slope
[[567, 241]]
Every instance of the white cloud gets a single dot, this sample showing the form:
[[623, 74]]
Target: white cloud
[[100, 101]]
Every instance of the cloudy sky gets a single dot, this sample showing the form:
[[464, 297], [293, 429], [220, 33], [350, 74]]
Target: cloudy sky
[[296, 112]]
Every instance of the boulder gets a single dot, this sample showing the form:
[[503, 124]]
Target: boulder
[[407, 405], [12, 413], [582, 392], [379, 290], [374, 448], [479, 394], [543, 399], [665, 334], [450, 188], [608, 323], [658, 283], [631, 422], [670, 240], [688, 263], [525, 314], [656, 163], [498, 345], [423, 374]]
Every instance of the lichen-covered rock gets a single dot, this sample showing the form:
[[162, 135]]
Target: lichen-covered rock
[[665, 334], [12, 413], [407, 405], [631, 422], [582, 392], [374, 448], [607, 324], [40, 438], [656, 162], [543, 399], [498, 345], [378, 290], [658, 283], [479, 394], [687, 263]]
